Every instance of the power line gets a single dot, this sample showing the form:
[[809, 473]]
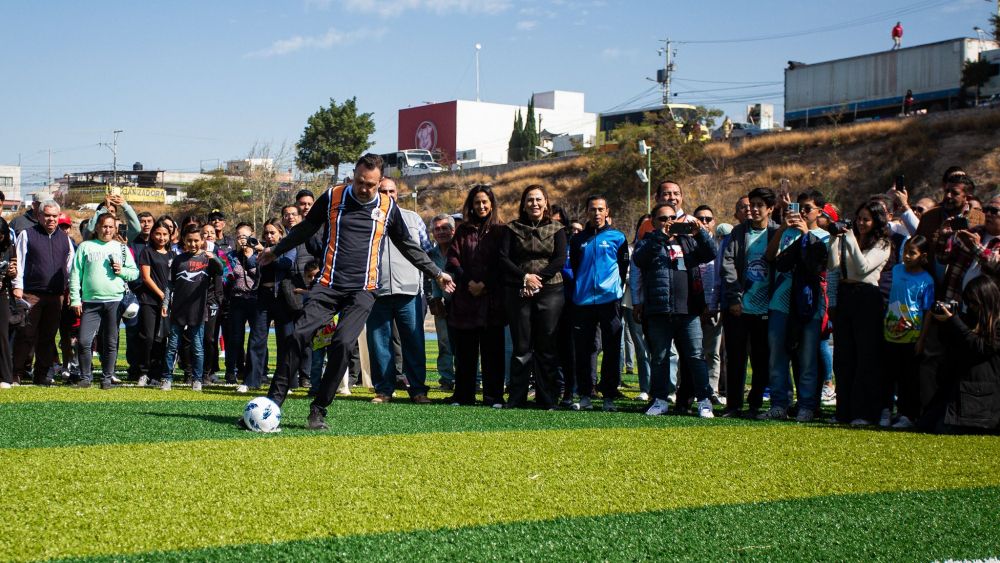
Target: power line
[[856, 22]]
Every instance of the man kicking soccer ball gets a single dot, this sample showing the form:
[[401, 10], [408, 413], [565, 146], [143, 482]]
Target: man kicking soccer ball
[[355, 219]]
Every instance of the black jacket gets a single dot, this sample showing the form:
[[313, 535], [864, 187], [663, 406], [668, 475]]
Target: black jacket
[[668, 286], [975, 380]]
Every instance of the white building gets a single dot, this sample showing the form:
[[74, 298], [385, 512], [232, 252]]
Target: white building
[[480, 131], [10, 181]]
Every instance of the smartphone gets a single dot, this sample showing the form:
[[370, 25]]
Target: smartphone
[[900, 183], [122, 230], [116, 190], [683, 228], [960, 223], [793, 207]]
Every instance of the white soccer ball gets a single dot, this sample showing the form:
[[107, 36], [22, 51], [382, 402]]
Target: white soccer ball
[[262, 415]]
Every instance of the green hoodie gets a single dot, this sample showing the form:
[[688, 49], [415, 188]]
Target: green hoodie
[[93, 276]]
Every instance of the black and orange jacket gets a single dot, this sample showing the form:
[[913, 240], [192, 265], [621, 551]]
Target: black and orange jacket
[[353, 235]]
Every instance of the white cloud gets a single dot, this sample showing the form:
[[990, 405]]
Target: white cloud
[[393, 8], [611, 53], [526, 25], [331, 38]]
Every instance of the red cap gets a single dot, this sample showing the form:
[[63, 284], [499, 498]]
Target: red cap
[[64, 219], [830, 211]]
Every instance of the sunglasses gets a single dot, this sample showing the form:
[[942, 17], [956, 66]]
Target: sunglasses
[[664, 218], [918, 209], [991, 210], [807, 209], [705, 219]]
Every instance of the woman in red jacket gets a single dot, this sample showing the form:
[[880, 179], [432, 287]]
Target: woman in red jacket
[[476, 316]]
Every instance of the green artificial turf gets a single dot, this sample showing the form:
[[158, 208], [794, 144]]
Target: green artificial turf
[[128, 498], [918, 526], [55, 424]]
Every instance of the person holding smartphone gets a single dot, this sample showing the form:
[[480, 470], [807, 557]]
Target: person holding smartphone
[[664, 297], [97, 283]]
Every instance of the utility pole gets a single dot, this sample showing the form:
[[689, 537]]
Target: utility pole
[[50, 169], [663, 76], [114, 155]]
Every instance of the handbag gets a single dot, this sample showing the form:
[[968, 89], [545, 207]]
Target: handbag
[[129, 307]]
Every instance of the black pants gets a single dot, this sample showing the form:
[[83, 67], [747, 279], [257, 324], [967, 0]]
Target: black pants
[[478, 346], [210, 344], [353, 308], [857, 335], [902, 374], [608, 317], [743, 331], [98, 317], [533, 323], [150, 341], [6, 361], [36, 340]]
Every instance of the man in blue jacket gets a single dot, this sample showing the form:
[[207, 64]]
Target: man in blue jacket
[[599, 258]]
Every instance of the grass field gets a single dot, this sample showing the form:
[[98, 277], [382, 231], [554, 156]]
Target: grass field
[[139, 474]]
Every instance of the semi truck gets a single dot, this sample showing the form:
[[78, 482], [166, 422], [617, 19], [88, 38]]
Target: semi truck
[[874, 85]]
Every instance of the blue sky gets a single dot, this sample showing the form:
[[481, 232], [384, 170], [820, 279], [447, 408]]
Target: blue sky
[[191, 80]]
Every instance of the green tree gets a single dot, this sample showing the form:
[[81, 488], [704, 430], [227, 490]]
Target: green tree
[[995, 22], [515, 147], [333, 135], [219, 192], [531, 136], [975, 74]]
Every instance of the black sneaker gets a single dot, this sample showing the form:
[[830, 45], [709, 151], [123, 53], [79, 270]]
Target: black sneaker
[[83, 384], [241, 424], [105, 385], [316, 420]]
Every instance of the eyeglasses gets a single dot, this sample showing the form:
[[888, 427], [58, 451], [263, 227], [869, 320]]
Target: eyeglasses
[[991, 210], [705, 218], [918, 209], [664, 218]]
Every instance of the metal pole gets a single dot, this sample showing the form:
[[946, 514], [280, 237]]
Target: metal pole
[[478, 47], [649, 180], [666, 79], [114, 158]]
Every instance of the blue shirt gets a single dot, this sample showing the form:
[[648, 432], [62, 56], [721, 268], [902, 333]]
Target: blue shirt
[[911, 296], [782, 296], [757, 274]]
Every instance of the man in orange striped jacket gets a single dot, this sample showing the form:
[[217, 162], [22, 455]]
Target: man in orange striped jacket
[[356, 220]]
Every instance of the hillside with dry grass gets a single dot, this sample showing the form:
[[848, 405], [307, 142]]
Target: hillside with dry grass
[[847, 162]]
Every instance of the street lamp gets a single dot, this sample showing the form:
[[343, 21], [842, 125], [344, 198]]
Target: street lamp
[[980, 33], [645, 175]]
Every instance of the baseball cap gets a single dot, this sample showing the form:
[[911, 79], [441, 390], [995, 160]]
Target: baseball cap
[[64, 219], [216, 215], [830, 211]]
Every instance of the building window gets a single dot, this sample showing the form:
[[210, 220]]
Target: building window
[[6, 182]]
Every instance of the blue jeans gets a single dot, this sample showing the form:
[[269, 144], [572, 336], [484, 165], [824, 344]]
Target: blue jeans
[[445, 359], [316, 367], [197, 335], [685, 331], [826, 360], [407, 311], [641, 354], [806, 356]]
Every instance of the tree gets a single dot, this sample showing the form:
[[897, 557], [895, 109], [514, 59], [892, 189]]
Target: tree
[[333, 135], [995, 22], [219, 192], [262, 180], [515, 147], [531, 137], [975, 74]]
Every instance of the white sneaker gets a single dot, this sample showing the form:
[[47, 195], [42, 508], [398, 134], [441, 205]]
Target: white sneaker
[[5, 385], [886, 420], [705, 409], [903, 422], [167, 385], [498, 405], [196, 386], [644, 396], [829, 395], [242, 389], [584, 404], [143, 381], [659, 407]]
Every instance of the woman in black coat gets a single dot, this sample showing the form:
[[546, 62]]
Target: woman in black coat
[[972, 340], [8, 269]]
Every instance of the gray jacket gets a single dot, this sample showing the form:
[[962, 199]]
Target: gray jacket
[[398, 275]]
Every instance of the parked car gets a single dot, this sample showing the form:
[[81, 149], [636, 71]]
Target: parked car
[[740, 130], [424, 168]]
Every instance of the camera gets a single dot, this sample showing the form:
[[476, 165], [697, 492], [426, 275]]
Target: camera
[[4, 264], [960, 223], [252, 242], [683, 228], [942, 307], [841, 227]]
